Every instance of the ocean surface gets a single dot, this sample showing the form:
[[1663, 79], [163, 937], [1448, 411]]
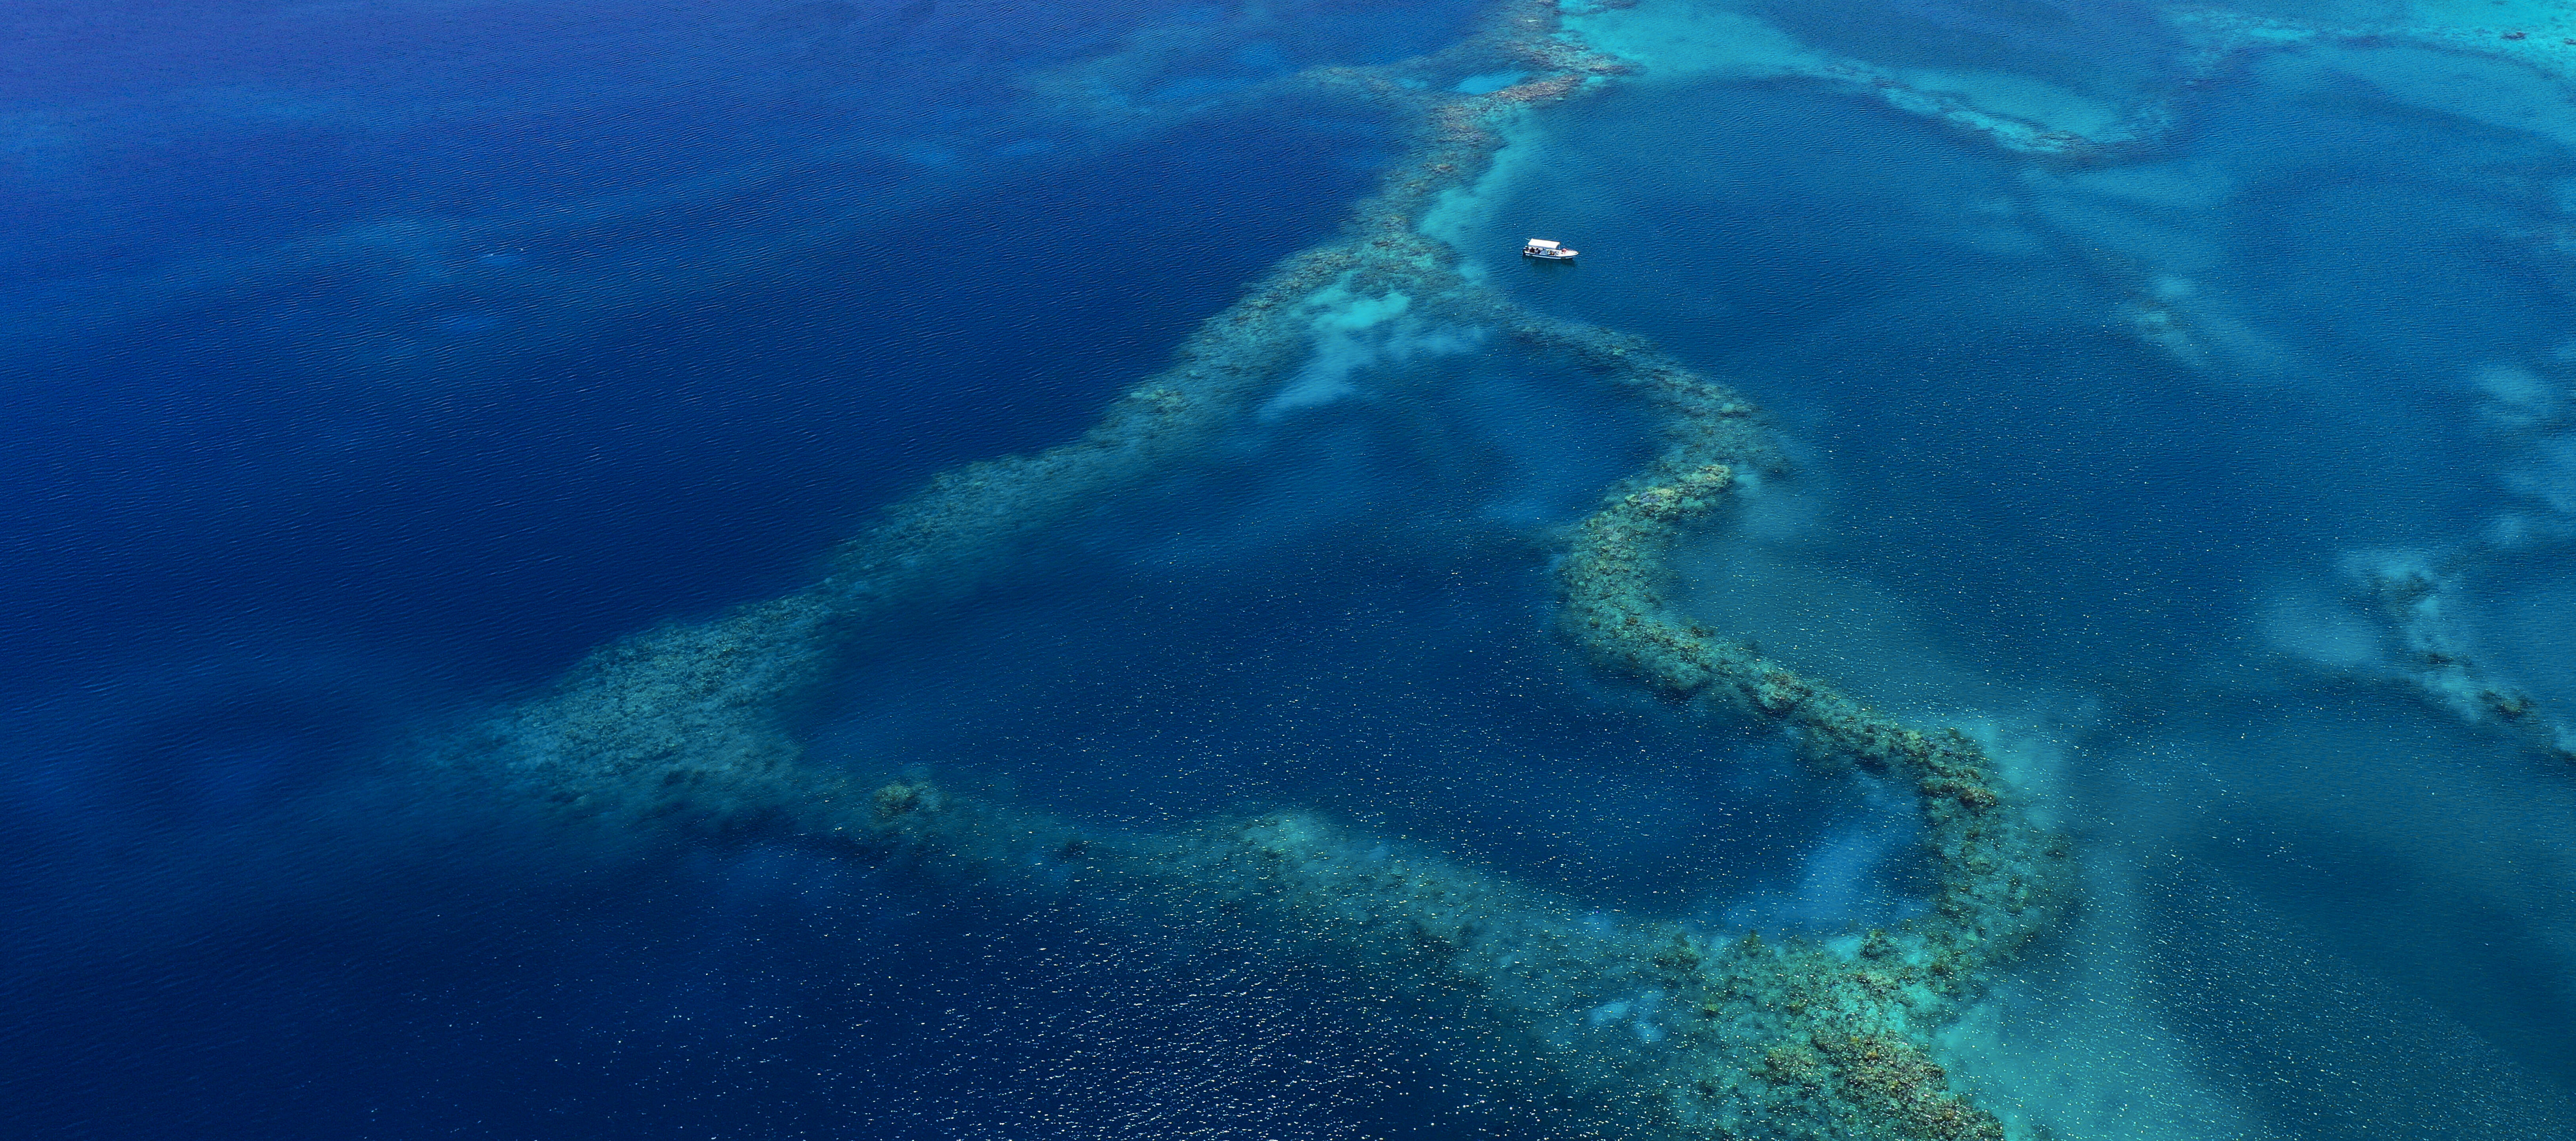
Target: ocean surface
[[2179, 400]]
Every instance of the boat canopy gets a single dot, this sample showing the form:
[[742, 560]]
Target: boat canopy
[[1541, 244]]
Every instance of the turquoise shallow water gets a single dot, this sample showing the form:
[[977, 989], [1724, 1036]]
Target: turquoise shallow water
[[2175, 400]]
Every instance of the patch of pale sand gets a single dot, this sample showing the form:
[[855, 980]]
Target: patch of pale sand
[[1458, 211], [2018, 97], [1691, 40], [1673, 40], [2534, 18], [2190, 185], [2538, 34], [2090, 1040], [2082, 1050], [2503, 92]]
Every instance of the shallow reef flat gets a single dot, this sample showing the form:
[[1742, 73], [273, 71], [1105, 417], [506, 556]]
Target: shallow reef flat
[[2018, 590], [690, 725], [1629, 1028]]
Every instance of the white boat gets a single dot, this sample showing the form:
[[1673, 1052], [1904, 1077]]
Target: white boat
[[1546, 250]]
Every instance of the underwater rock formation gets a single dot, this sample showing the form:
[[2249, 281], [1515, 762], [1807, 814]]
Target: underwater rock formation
[[691, 725], [2416, 597]]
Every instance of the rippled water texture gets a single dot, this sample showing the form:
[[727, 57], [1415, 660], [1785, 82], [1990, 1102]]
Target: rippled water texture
[[490, 648]]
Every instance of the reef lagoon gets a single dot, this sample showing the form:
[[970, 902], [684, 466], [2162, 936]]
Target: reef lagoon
[[951, 569]]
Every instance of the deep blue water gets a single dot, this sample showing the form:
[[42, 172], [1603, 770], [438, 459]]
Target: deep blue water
[[371, 363]]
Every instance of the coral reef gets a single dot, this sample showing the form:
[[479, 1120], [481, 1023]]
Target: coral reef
[[1836, 1049], [708, 697], [1637, 1030], [1626, 1029], [1640, 1029]]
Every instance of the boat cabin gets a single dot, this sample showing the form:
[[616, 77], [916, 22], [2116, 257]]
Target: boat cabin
[[1546, 250]]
